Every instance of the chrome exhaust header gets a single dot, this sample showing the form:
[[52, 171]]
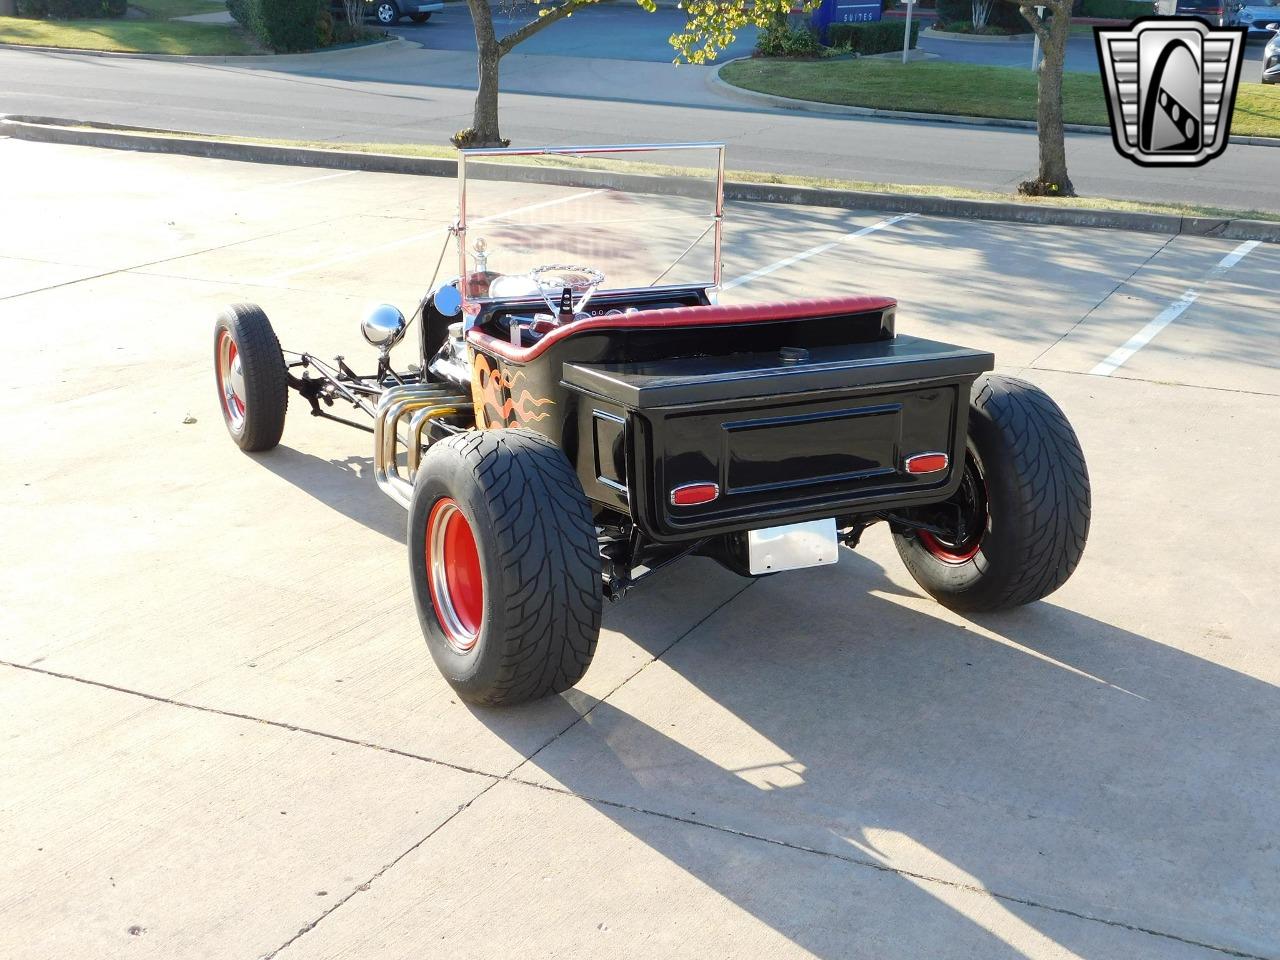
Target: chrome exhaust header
[[411, 406]]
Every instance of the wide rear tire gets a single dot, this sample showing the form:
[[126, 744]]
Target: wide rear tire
[[505, 566], [1024, 500], [250, 373]]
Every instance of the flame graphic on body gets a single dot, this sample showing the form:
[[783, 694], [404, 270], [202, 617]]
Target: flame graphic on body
[[492, 390]]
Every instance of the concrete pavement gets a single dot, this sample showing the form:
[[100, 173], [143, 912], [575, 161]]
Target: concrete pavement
[[223, 736]]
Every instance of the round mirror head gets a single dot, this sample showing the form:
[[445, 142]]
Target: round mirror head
[[447, 300], [383, 326]]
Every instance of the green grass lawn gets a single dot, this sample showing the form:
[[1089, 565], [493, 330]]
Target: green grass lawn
[[156, 34], [962, 89], [164, 9]]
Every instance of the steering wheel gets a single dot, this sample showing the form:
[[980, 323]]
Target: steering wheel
[[565, 288]]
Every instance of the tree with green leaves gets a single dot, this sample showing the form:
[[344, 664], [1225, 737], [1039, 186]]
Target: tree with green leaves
[[710, 26]]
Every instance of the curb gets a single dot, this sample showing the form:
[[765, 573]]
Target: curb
[[222, 58], [933, 34], [49, 130], [743, 95]]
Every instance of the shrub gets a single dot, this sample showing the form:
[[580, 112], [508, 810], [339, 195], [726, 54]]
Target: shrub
[[964, 26], [72, 9], [781, 39], [1115, 9], [1002, 15], [869, 38], [285, 25]]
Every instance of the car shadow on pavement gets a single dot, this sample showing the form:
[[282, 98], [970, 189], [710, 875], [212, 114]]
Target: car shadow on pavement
[[1074, 768], [346, 485], [1041, 754]]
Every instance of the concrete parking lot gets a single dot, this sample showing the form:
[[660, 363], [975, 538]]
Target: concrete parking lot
[[223, 735]]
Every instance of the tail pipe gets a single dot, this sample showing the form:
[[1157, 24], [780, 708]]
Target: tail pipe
[[413, 407]]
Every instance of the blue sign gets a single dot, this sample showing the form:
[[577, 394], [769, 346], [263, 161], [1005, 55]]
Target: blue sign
[[844, 11]]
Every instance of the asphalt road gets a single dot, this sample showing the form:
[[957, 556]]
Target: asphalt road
[[222, 735], [612, 31], [623, 31], [406, 94]]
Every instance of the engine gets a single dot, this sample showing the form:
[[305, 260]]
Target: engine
[[450, 362]]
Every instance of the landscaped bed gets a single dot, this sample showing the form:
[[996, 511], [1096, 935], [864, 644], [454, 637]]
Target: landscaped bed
[[962, 89]]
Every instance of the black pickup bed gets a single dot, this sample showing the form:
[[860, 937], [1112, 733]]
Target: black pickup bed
[[786, 435], [664, 383]]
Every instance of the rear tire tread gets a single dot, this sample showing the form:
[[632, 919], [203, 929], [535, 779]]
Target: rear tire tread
[[546, 543], [1044, 519]]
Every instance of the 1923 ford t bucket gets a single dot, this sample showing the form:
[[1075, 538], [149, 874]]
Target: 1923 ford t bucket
[[557, 441]]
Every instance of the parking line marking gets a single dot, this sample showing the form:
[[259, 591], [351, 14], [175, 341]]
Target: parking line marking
[[1121, 355], [396, 244], [814, 251]]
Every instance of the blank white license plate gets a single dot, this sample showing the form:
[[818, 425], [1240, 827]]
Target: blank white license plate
[[793, 546]]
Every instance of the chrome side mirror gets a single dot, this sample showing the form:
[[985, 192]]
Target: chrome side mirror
[[447, 300], [383, 326]]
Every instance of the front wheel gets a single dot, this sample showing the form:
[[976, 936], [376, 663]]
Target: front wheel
[[387, 13], [253, 383], [505, 566], [1016, 528]]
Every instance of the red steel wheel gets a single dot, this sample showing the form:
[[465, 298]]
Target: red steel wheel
[[230, 375], [454, 576], [966, 512]]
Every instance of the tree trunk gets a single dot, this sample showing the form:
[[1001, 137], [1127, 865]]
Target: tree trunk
[[1052, 179], [8, 8], [483, 131]]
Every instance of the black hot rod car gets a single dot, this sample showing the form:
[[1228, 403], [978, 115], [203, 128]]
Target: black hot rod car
[[557, 441]]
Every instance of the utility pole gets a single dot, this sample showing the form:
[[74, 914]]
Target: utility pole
[[906, 36], [1035, 48]]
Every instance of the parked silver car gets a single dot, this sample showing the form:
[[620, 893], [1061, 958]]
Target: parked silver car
[[1271, 61], [389, 12]]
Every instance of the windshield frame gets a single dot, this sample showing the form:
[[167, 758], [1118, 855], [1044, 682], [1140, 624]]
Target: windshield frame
[[471, 306]]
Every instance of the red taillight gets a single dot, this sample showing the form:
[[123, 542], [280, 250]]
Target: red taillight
[[692, 494], [927, 463]]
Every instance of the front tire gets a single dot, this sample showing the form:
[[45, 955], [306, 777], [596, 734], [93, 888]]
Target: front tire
[[387, 13], [1016, 529], [253, 383], [505, 566]]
